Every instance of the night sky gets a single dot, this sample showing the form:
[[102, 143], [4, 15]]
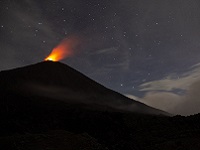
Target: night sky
[[146, 49]]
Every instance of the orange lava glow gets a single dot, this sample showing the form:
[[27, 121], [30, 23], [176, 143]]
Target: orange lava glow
[[63, 50]]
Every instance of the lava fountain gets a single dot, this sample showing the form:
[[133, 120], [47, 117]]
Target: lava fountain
[[64, 49]]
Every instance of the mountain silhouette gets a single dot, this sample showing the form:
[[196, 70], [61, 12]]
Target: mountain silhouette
[[49, 105], [59, 82]]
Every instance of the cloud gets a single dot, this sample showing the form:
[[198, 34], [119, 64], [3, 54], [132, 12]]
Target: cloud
[[163, 100], [133, 97], [104, 51], [160, 94], [174, 81]]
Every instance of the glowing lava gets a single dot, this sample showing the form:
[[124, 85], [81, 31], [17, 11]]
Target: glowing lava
[[63, 50]]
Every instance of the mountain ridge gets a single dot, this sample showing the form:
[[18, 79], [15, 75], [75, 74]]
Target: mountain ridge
[[33, 116], [56, 80]]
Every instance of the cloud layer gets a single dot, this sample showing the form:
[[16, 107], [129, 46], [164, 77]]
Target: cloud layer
[[162, 94]]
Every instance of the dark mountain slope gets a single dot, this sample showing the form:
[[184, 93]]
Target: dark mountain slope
[[51, 106], [58, 81]]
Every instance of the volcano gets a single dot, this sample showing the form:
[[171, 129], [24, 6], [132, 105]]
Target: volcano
[[59, 83], [49, 105]]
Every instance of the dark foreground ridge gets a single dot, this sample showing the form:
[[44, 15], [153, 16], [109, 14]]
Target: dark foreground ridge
[[52, 106]]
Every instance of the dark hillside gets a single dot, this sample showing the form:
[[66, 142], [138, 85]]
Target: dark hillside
[[52, 106]]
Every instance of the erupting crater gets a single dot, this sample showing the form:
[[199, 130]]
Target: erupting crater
[[63, 50]]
